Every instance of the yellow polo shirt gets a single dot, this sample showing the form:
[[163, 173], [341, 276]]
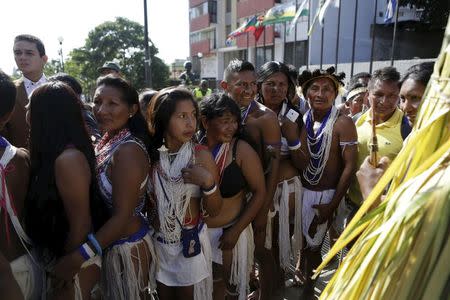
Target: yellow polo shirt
[[390, 143]]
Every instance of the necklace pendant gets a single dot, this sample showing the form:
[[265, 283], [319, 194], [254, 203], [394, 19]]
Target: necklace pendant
[[163, 148]]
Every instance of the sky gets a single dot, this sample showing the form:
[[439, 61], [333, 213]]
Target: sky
[[168, 22]]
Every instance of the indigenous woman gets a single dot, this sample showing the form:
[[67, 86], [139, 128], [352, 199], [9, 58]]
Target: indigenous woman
[[122, 174], [275, 90], [412, 88], [183, 184], [240, 170], [62, 207]]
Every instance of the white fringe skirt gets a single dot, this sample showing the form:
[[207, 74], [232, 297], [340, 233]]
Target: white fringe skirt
[[243, 258], [120, 279], [281, 203]]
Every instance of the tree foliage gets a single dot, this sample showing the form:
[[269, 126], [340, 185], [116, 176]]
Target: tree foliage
[[52, 67], [121, 41]]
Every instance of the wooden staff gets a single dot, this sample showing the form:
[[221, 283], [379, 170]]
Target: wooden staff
[[373, 146]]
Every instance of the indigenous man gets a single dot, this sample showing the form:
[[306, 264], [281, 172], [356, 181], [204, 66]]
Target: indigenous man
[[261, 124], [14, 171], [329, 137], [29, 53], [392, 127]]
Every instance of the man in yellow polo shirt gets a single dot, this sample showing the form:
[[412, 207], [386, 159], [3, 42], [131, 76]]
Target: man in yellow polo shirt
[[391, 125]]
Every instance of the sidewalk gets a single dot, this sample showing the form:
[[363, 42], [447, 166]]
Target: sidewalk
[[295, 293]]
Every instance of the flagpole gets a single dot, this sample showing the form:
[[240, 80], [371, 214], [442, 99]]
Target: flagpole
[[295, 39], [309, 44], [284, 44], [354, 38], [255, 53], [264, 45], [394, 35], [373, 37], [247, 56], [321, 45], [337, 35], [273, 42]]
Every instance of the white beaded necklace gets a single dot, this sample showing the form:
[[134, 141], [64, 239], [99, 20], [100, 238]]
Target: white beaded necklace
[[178, 195], [313, 174]]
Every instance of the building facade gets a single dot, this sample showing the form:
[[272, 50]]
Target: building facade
[[346, 37]]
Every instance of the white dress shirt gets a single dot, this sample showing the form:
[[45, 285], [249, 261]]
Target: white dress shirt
[[30, 86]]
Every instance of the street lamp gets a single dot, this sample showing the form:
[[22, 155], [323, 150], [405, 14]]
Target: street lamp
[[200, 56], [60, 40]]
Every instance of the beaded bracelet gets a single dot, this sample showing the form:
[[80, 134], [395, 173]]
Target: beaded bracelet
[[86, 251], [209, 190], [295, 146], [95, 243]]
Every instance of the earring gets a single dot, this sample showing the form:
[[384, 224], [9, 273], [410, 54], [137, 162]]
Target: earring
[[129, 117]]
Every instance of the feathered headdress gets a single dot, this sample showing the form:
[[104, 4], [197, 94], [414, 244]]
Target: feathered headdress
[[307, 77]]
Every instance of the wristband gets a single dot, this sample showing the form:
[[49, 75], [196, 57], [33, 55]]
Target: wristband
[[86, 251], [209, 190], [294, 143], [95, 243], [296, 146]]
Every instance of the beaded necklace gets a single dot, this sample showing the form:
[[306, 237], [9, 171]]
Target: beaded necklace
[[175, 205], [319, 144], [107, 144], [220, 154], [246, 111]]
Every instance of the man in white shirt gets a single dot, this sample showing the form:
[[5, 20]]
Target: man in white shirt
[[29, 53]]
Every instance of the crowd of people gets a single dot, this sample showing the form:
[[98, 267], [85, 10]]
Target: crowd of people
[[181, 195]]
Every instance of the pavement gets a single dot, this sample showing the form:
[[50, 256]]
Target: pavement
[[295, 293]]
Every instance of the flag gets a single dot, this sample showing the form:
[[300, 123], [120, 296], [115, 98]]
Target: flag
[[390, 11], [242, 29], [256, 26], [322, 9], [259, 27], [280, 13], [303, 10]]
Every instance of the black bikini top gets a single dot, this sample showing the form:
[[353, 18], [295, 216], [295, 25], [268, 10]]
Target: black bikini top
[[233, 181]]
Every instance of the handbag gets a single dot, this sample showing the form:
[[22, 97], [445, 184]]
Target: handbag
[[189, 236]]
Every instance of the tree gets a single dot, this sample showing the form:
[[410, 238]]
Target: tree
[[122, 41], [52, 67]]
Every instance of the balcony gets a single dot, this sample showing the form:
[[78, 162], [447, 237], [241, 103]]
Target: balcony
[[247, 8], [199, 23], [202, 46]]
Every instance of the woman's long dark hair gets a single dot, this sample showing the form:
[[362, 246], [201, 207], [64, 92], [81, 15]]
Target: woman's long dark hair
[[162, 106], [267, 70], [56, 123], [136, 124]]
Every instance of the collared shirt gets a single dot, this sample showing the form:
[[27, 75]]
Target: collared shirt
[[390, 142], [30, 86]]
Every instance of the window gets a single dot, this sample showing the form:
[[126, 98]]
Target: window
[[198, 10], [212, 9], [227, 30], [228, 6], [204, 35]]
